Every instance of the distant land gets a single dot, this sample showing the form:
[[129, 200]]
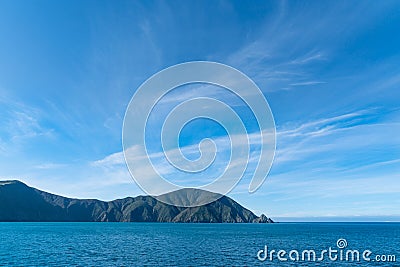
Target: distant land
[[21, 203], [341, 219]]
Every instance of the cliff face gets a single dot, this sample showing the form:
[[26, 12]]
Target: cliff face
[[19, 202]]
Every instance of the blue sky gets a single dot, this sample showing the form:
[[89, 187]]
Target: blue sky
[[329, 70]]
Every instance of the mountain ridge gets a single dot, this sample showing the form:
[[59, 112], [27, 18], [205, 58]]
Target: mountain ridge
[[19, 202]]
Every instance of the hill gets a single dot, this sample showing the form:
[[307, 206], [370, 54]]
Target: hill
[[21, 203]]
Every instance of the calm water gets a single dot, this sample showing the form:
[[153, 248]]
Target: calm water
[[160, 244]]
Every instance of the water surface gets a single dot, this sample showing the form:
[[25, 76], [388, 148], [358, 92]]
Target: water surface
[[168, 244]]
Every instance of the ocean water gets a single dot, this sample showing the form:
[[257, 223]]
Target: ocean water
[[165, 244]]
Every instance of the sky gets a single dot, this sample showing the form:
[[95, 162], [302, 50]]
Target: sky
[[329, 70]]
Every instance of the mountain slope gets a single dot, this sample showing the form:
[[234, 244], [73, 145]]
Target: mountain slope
[[19, 202]]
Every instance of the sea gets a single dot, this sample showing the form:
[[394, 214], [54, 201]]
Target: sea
[[180, 244]]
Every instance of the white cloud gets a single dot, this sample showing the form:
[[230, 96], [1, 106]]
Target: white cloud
[[309, 57], [315, 127], [306, 83], [21, 122], [50, 165]]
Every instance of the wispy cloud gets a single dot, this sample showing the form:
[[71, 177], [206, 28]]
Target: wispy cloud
[[319, 126], [115, 162], [306, 83], [330, 135], [317, 139], [309, 57], [50, 165], [21, 121]]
